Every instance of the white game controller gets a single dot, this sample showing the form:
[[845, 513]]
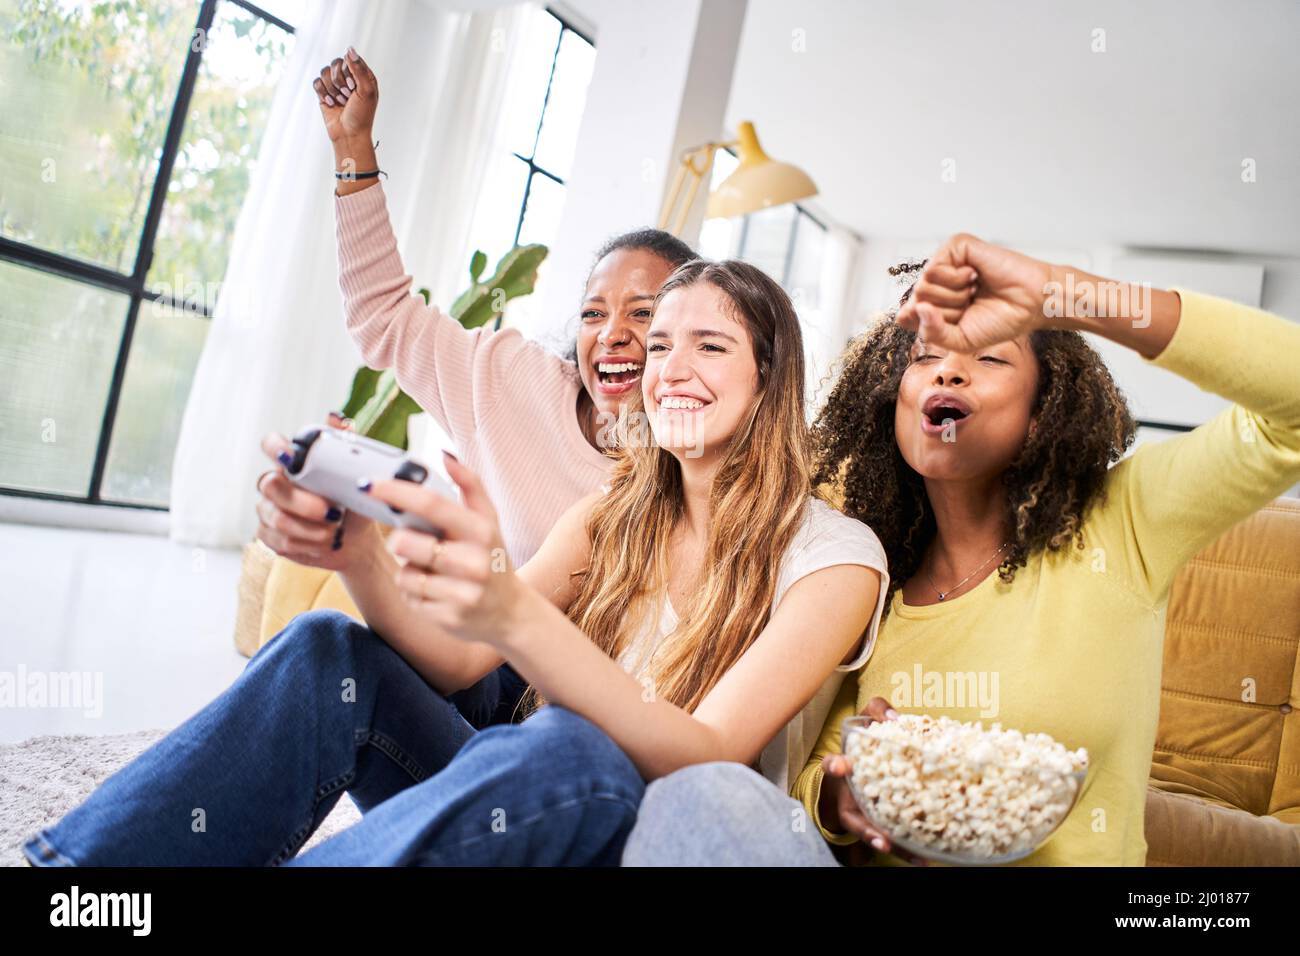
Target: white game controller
[[330, 461]]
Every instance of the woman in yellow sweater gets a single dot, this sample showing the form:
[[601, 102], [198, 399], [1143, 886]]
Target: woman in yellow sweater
[[975, 433]]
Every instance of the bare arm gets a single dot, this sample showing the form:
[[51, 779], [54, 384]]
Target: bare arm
[[973, 294], [445, 662], [819, 620], [821, 617]]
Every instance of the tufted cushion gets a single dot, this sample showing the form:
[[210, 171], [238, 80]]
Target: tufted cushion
[[1227, 735]]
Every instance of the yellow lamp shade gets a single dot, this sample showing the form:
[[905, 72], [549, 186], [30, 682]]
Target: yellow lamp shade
[[758, 182]]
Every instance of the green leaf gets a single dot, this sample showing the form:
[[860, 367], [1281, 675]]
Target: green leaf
[[383, 416], [363, 387], [390, 427], [477, 263], [515, 275]]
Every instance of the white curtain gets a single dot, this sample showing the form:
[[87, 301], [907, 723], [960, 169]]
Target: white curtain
[[278, 355], [828, 330]]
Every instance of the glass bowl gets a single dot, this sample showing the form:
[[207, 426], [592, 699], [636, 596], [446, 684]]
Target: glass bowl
[[1062, 788]]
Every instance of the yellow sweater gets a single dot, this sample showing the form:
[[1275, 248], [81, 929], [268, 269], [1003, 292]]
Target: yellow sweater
[[1073, 646]]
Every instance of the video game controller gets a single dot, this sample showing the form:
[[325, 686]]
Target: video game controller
[[330, 461]]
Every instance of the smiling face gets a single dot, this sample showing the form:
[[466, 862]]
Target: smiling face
[[701, 377], [615, 316], [965, 415]]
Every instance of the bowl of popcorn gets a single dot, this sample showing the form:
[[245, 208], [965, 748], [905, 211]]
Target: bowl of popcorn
[[954, 792]]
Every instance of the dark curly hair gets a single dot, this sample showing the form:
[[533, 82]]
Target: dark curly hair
[[1083, 425]]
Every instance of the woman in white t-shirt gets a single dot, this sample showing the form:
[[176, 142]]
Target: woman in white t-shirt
[[825, 538], [703, 608]]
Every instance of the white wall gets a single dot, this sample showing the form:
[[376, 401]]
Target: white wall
[[1141, 144], [1057, 146]]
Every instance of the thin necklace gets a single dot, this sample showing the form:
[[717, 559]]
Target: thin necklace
[[957, 586]]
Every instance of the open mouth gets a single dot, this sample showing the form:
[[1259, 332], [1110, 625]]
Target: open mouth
[[940, 411], [615, 378], [944, 413]]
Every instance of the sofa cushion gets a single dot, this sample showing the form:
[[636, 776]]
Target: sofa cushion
[[293, 589], [1227, 731]]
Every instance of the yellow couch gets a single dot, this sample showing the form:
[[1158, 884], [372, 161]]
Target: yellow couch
[[274, 590], [1225, 776]]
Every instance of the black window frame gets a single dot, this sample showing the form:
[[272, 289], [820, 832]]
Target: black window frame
[[530, 160], [133, 284], [788, 263]]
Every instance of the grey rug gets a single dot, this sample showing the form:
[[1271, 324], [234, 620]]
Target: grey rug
[[43, 778]]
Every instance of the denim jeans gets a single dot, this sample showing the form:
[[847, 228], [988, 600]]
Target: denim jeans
[[723, 814], [324, 707]]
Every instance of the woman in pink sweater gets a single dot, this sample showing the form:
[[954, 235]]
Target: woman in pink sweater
[[538, 449]]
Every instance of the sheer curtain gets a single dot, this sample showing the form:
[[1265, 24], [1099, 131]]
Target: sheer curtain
[[828, 329], [278, 355]]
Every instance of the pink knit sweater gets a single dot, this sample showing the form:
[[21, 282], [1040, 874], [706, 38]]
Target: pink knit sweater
[[509, 405]]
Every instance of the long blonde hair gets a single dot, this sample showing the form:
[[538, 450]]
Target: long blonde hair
[[757, 502]]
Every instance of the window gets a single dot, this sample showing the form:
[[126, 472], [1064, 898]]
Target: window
[[784, 241], [546, 92], [788, 243], [131, 129]]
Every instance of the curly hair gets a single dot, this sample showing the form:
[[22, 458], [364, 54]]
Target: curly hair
[[1083, 425]]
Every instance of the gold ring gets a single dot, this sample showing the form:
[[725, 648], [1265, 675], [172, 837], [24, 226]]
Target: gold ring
[[438, 547]]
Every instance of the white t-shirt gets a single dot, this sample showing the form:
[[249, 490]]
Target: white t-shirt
[[826, 538]]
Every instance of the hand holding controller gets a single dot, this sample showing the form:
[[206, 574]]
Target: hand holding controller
[[330, 461]]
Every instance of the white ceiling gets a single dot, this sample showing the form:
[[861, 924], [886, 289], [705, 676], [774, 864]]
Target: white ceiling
[[1140, 145]]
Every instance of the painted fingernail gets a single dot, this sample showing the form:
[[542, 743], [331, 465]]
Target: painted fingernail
[[352, 84], [338, 415], [338, 539], [333, 514], [284, 458], [878, 843], [450, 455], [364, 485], [329, 100], [353, 54], [891, 713]]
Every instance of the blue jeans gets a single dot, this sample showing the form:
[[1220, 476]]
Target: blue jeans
[[723, 814], [326, 706]]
